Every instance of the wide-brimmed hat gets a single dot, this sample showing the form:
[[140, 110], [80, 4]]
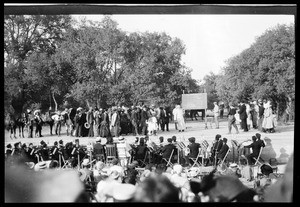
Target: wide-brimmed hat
[[40, 166], [98, 139], [79, 108], [124, 192], [121, 139], [85, 162], [37, 111]]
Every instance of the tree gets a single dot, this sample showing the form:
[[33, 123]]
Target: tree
[[23, 35]]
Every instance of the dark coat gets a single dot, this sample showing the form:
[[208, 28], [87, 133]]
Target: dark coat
[[194, 149], [255, 147], [223, 151], [167, 150], [242, 112]]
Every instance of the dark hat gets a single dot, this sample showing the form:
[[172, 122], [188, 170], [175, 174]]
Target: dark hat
[[23, 145], [254, 138], [174, 138], [258, 135], [16, 144], [42, 142], [266, 169], [55, 143], [218, 136], [192, 139], [9, 146], [60, 142], [161, 138], [169, 139], [224, 139], [76, 140]]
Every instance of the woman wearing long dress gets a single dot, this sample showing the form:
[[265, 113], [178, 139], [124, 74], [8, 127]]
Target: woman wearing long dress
[[268, 122], [179, 118]]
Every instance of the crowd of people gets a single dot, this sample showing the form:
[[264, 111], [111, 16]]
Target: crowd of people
[[148, 171], [98, 122], [248, 114]]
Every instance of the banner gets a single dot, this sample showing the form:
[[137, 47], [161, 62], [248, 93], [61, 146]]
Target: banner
[[194, 101]]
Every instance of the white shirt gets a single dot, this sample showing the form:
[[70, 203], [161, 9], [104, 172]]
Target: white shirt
[[216, 109]]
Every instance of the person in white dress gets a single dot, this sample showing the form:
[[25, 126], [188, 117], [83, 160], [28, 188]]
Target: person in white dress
[[179, 118]]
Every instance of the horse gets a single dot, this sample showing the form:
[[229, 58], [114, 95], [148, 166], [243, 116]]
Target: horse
[[48, 120], [10, 123], [21, 123]]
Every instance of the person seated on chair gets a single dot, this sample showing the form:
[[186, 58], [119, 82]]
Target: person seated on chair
[[99, 150], [141, 150], [255, 145], [167, 149], [258, 135], [217, 145], [223, 151], [194, 149]]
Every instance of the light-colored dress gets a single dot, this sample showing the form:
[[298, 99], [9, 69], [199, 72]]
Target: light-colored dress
[[179, 118]]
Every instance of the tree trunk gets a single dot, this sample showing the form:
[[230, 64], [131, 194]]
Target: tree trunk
[[87, 103], [54, 101]]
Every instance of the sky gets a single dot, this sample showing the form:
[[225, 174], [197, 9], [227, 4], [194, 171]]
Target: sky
[[209, 40]]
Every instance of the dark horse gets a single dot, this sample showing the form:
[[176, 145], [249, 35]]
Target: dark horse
[[21, 123], [10, 124], [194, 113]]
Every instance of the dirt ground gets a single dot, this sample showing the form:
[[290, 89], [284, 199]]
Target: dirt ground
[[279, 144]]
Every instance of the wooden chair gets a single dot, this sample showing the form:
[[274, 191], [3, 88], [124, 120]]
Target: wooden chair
[[195, 160], [111, 153], [169, 163]]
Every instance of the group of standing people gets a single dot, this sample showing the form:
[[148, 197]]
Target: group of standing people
[[257, 115]]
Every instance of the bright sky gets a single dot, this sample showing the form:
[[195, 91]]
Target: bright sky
[[209, 39]]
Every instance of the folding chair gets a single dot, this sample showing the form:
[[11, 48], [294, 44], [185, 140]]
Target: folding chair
[[169, 163], [257, 159], [225, 157], [111, 153], [195, 160]]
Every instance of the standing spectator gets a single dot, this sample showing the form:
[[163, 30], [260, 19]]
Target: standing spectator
[[58, 119], [134, 121], [249, 116], [90, 120], [243, 116], [179, 118], [221, 107], [260, 114], [268, 122], [39, 123], [254, 110], [97, 116], [232, 119], [216, 114], [115, 122], [30, 122], [144, 118], [104, 125], [77, 122]]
